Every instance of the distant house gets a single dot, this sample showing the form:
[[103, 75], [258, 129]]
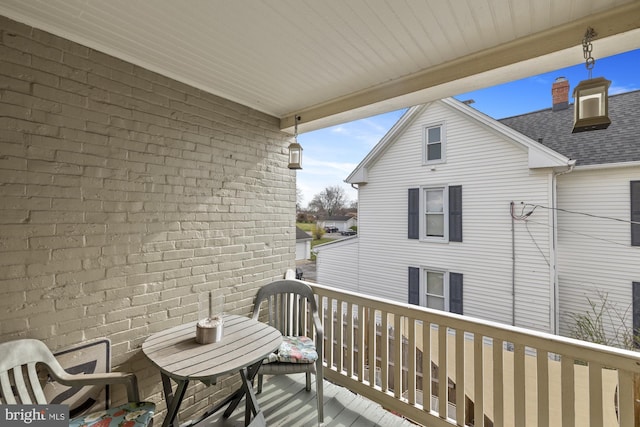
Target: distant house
[[342, 222], [517, 221], [303, 244]]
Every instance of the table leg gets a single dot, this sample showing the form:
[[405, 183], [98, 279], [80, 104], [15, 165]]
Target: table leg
[[173, 401], [247, 375], [251, 407]]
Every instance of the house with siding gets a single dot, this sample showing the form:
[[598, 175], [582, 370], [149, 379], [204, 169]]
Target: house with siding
[[341, 222], [303, 244], [517, 221]]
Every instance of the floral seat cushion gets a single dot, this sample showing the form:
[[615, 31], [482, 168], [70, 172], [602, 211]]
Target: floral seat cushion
[[132, 414], [294, 350]]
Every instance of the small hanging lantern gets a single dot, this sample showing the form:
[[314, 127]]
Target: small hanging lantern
[[591, 97], [295, 149]]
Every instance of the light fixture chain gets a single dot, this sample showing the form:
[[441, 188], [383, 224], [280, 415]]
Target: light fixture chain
[[587, 48]]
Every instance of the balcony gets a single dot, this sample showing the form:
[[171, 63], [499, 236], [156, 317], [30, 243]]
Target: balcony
[[496, 375]]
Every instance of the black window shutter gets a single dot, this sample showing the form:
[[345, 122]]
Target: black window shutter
[[414, 285], [414, 213], [635, 213], [455, 293], [635, 297], [455, 213]]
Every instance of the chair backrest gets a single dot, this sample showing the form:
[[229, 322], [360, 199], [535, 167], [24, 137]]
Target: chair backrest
[[290, 306], [19, 380]]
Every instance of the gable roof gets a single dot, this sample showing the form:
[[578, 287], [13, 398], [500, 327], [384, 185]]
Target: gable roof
[[302, 235], [619, 143], [540, 156]]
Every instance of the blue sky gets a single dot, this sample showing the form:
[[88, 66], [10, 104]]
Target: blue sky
[[331, 154]]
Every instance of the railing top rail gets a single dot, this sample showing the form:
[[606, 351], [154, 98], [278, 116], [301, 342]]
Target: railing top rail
[[570, 347]]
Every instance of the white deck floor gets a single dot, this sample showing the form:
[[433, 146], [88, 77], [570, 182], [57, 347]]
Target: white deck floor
[[286, 404]]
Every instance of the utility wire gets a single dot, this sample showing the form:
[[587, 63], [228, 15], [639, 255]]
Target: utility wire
[[526, 224], [581, 234], [626, 221]]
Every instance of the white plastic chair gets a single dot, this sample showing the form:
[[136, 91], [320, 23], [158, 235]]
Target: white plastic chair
[[289, 304], [20, 384]]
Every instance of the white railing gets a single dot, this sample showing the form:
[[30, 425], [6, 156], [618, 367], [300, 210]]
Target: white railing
[[506, 376]]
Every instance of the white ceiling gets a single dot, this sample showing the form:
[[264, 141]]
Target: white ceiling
[[336, 60]]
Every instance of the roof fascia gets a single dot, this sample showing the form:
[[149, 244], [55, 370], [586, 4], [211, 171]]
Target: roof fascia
[[359, 174], [617, 165]]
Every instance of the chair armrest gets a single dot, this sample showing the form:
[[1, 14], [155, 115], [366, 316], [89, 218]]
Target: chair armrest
[[128, 379]]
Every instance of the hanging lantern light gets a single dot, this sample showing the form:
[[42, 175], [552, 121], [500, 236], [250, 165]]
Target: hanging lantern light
[[591, 97], [295, 149]]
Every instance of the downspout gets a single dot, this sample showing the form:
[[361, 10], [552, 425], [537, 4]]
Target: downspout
[[357, 188], [513, 267], [554, 242]]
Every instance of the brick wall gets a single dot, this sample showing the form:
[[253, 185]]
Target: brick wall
[[126, 195]]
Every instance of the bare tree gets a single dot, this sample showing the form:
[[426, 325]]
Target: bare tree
[[330, 201], [299, 199]]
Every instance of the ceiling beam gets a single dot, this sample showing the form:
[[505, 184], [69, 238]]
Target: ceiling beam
[[608, 23]]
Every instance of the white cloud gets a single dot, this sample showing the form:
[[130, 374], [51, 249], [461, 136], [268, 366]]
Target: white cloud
[[614, 90]]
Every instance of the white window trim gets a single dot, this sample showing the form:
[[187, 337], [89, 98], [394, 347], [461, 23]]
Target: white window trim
[[423, 285], [445, 213], [443, 144]]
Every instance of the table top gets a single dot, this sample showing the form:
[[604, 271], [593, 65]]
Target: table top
[[177, 354]]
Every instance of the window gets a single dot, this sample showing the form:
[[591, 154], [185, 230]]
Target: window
[[434, 219], [433, 147], [435, 213], [635, 213], [434, 293], [439, 290]]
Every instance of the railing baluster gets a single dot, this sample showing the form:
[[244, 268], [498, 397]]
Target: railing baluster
[[340, 337], [397, 367], [361, 340], [426, 366], [459, 361], [443, 378], [321, 310], [625, 399], [478, 381], [542, 375], [330, 332], [519, 388], [568, 392], [411, 360], [349, 340], [372, 349], [498, 383], [595, 395], [384, 351]]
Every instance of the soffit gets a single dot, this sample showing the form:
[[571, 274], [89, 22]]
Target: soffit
[[334, 60]]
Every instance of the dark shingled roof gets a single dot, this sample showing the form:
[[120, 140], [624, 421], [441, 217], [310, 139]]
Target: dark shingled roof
[[338, 218], [619, 143], [302, 235]]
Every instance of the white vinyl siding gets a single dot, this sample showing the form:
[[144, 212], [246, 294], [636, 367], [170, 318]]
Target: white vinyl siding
[[595, 254], [303, 249], [337, 264], [492, 171]]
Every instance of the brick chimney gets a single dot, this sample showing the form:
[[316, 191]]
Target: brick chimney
[[560, 94]]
